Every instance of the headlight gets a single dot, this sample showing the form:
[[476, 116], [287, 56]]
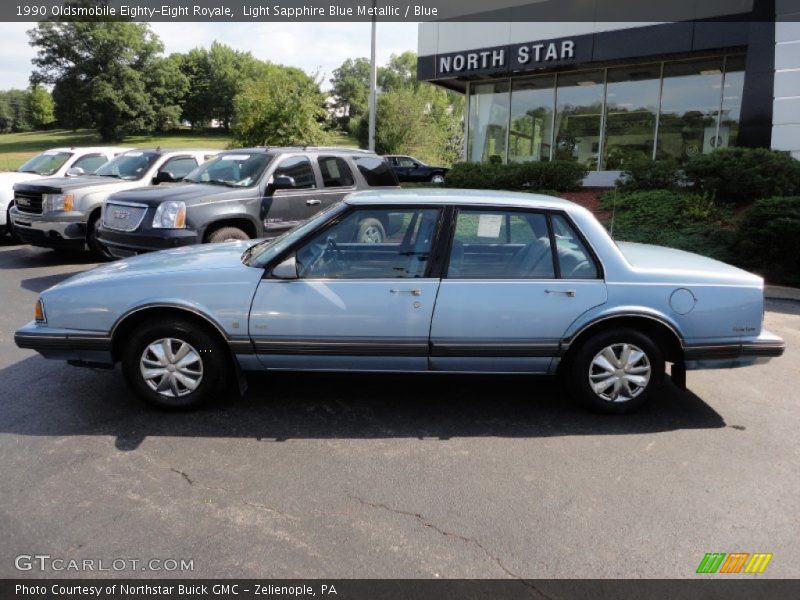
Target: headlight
[[38, 312], [170, 215], [57, 202]]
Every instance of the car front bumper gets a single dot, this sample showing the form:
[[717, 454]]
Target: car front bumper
[[123, 244], [743, 354], [64, 230], [80, 348]]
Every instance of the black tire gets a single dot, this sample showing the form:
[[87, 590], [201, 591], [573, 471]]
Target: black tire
[[95, 246], [631, 395], [9, 229], [371, 231], [226, 234], [215, 373]]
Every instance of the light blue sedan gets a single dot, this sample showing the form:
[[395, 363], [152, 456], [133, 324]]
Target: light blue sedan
[[463, 282]]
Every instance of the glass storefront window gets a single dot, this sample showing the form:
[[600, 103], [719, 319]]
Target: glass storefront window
[[631, 114], [531, 134], [733, 87], [579, 109], [488, 122], [690, 103]]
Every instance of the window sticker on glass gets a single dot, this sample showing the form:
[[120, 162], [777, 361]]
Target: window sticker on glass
[[489, 226], [236, 157]]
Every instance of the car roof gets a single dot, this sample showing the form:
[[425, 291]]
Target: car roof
[[462, 197], [165, 151], [89, 149], [312, 149]]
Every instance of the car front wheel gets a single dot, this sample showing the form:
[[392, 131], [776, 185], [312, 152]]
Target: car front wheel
[[616, 371], [437, 179], [175, 364]]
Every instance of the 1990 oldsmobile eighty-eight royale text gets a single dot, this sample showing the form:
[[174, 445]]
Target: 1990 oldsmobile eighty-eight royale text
[[462, 281]]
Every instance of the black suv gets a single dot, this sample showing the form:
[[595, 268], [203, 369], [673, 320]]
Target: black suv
[[411, 170], [240, 194]]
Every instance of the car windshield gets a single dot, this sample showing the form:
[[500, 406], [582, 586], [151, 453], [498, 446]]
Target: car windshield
[[262, 253], [45, 163], [234, 170], [129, 166]]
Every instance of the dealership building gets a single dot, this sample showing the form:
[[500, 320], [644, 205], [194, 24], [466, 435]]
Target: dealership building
[[605, 93]]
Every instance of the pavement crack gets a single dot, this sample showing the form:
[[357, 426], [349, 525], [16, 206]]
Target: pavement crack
[[468, 540], [270, 509], [182, 474]]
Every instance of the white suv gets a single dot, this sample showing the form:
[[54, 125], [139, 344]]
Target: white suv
[[57, 162]]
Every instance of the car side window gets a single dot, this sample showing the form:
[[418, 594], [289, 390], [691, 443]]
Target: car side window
[[405, 161], [371, 243], [501, 244], [376, 171], [298, 168], [179, 166], [574, 259], [335, 172], [90, 163]]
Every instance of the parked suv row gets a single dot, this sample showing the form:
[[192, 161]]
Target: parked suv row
[[241, 194], [65, 212]]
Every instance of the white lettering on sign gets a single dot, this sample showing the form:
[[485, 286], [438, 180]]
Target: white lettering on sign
[[537, 53], [534, 53]]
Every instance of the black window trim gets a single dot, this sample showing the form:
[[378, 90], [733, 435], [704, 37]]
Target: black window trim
[[351, 187]]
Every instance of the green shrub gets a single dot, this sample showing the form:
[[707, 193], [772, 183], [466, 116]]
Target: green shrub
[[742, 175], [560, 176], [768, 239], [647, 174], [665, 218]]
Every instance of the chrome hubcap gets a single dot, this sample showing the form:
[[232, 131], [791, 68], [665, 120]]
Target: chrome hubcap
[[371, 235], [171, 367], [437, 179], [619, 372]]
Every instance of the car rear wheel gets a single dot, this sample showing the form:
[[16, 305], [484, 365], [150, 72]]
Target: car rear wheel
[[616, 371], [95, 246], [438, 179], [227, 234], [371, 231], [174, 364]]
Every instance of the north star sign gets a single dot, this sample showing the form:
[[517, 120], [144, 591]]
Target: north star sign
[[523, 56]]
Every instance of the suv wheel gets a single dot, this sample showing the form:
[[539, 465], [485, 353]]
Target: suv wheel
[[371, 231], [438, 179], [173, 364], [227, 234], [616, 371], [95, 247]]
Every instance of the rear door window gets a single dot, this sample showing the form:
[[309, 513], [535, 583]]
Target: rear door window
[[574, 259], [335, 172], [376, 171]]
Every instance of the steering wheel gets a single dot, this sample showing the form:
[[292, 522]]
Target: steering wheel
[[329, 255]]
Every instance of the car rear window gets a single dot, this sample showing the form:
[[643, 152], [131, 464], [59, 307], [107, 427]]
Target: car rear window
[[376, 171]]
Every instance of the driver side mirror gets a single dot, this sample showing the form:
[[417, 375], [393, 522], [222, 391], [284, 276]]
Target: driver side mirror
[[75, 172], [164, 177], [283, 182], [286, 270]]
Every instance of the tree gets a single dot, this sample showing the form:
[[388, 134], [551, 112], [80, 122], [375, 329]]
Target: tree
[[98, 73], [40, 107], [14, 112], [167, 86], [195, 67], [400, 72], [350, 87], [282, 107]]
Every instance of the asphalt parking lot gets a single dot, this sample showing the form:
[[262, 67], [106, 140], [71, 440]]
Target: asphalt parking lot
[[379, 476]]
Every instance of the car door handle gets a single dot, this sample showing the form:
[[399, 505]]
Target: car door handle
[[412, 292], [313, 202], [570, 293]]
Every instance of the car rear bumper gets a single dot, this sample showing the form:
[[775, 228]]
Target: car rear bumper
[[725, 356], [125, 244], [62, 230], [76, 347]]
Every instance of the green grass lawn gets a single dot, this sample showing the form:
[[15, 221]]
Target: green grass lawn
[[16, 148]]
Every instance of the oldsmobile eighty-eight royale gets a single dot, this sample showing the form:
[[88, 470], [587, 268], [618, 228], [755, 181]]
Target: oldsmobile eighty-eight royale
[[462, 282]]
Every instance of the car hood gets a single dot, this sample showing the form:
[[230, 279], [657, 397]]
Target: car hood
[[190, 193], [12, 177], [658, 259], [65, 184], [203, 260]]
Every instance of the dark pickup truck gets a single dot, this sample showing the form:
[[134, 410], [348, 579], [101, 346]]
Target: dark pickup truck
[[241, 194]]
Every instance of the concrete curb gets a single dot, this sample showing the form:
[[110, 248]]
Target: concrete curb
[[777, 292]]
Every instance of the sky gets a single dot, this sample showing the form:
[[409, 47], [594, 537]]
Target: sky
[[310, 46]]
